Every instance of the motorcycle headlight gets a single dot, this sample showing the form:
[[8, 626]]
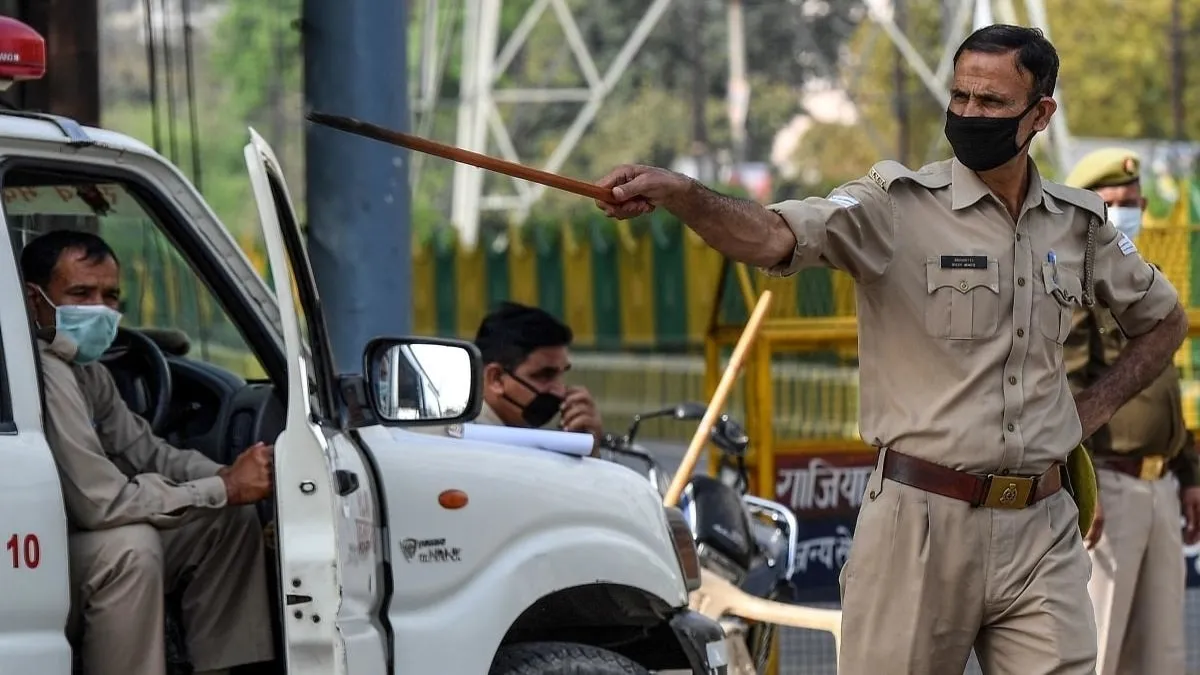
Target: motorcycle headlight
[[770, 540], [685, 548]]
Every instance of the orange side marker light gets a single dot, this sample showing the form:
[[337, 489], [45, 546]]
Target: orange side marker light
[[452, 499]]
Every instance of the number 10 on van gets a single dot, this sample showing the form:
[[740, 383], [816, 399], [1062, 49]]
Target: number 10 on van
[[25, 551]]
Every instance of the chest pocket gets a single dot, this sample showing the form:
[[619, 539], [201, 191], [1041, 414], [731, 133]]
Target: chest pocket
[[1064, 295], [963, 304]]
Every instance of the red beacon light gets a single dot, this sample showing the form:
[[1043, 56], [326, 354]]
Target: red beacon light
[[22, 53]]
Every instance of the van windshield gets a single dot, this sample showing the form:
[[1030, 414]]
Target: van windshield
[[160, 290]]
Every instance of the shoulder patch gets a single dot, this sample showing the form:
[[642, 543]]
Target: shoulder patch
[[932, 176], [1126, 245], [1084, 199], [843, 200]]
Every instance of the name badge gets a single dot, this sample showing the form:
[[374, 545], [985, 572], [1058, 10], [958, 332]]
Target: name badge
[[964, 262]]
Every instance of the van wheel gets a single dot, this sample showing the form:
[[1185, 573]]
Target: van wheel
[[561, 658]]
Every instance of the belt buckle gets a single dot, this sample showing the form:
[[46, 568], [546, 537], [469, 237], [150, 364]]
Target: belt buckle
[[1152, 467], [1008, 492]]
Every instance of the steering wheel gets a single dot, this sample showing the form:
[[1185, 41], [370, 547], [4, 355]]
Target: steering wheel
[[142, 375]]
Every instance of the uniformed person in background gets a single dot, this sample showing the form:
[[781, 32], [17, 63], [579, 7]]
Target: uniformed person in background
[[1138, 575], [968, 273]]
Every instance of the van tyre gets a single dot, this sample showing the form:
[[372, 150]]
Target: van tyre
[[561, 658]]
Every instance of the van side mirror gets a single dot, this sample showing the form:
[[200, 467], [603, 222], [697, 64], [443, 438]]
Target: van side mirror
[[416, 381]]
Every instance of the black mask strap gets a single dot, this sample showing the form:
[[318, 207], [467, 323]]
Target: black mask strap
[[538, 411], [1032, 132], [522, 381]]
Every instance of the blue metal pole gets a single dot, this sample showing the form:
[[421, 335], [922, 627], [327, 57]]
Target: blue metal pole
[[355, 64]]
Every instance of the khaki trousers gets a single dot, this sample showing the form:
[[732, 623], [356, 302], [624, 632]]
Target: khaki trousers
[[119, 578], [929, 578], [1139, 577]]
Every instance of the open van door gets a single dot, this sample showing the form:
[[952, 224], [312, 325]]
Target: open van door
[[328, 594], [34, 580]]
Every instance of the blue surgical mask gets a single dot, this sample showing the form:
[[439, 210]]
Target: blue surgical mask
[[1127, 219], [91, 327]]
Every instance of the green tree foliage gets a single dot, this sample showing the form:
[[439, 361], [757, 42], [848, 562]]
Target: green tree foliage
[[224, 91], [1115, 81], [1115, 77], [258, 63], [876, 92], [829, 155], [257, 53]]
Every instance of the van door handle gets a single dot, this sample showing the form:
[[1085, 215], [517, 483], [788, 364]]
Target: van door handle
[[347, 481]]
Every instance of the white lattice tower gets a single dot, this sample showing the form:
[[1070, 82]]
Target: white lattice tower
[[484, 61]]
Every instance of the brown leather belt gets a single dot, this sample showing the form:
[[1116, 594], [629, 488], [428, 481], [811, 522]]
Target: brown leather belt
[[1152, 467], [995, 491]]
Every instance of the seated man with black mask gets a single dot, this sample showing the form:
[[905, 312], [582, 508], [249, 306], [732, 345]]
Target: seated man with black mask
[[526, 357]]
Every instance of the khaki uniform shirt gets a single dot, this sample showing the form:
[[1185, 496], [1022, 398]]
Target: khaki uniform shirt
[[113, 470], [963, 313], [1151, 423], [488, 416]]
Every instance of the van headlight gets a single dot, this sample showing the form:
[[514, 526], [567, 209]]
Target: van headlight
[[685, 547]]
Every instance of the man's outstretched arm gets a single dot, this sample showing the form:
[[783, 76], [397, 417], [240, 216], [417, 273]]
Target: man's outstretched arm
[[851, 230], [741, 229]]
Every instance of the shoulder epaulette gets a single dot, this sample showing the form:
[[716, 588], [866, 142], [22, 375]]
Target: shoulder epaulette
[[932, 176], [1085, 199]]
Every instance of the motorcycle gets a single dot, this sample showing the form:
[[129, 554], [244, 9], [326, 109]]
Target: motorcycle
[[742, 540]]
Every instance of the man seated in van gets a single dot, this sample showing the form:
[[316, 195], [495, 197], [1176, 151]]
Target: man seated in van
[[144, 518], [526, 358]]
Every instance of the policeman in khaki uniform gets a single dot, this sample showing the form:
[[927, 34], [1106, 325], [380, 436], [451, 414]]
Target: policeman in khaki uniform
[[1138, 576], [144, 518], [968, 273]]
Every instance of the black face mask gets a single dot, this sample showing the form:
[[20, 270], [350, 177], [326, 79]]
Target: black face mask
[[984, 143], [541, 409]]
